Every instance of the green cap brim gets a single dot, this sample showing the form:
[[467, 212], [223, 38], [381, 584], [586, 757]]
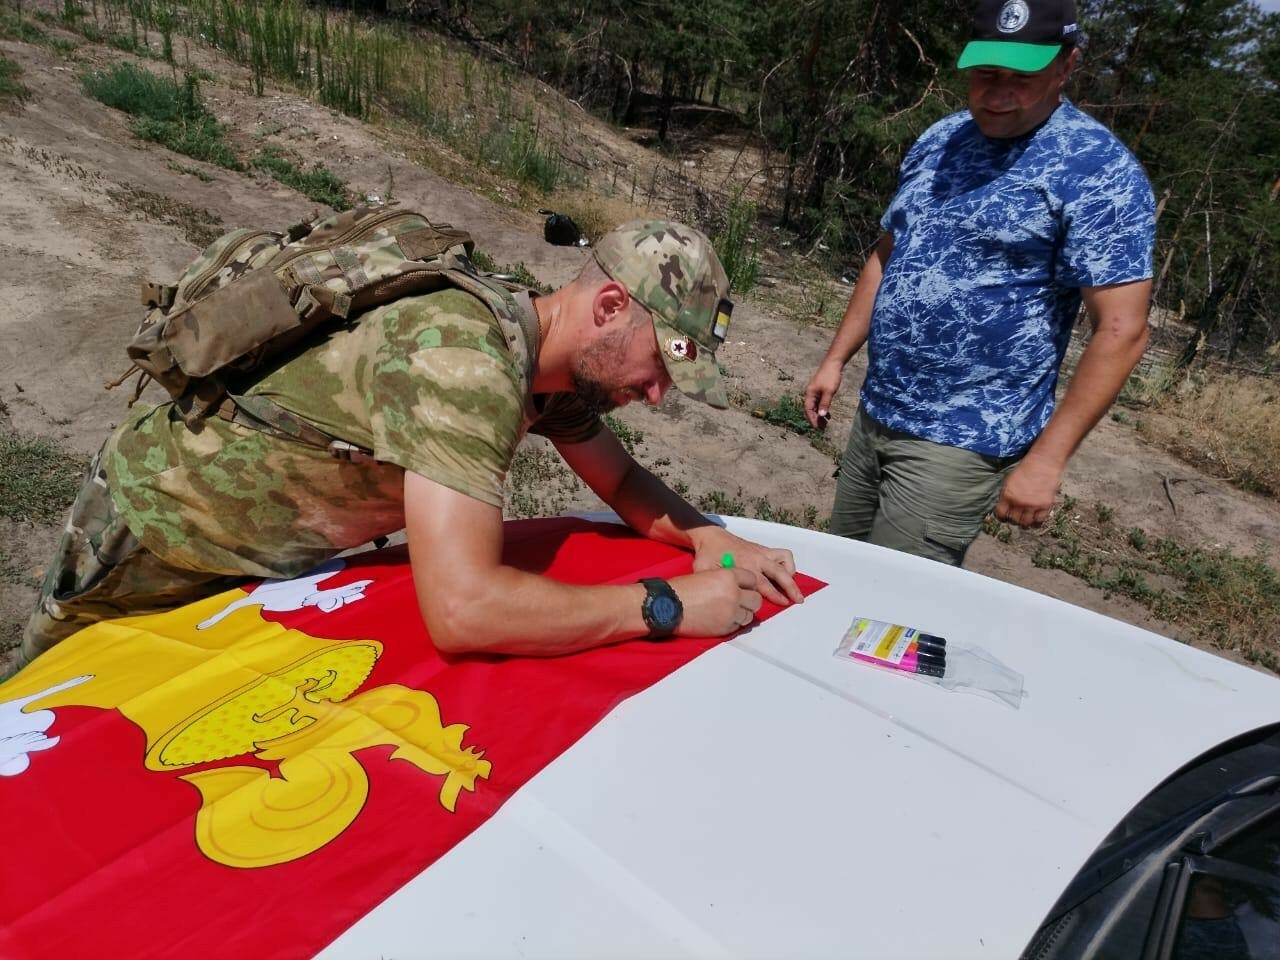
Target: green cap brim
[[698, 378], [1023, 57]]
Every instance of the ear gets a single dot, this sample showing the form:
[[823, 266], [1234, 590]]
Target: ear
[[612, 300], [1069, 67]]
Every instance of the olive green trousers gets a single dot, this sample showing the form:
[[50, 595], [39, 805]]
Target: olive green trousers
[[914, 495], [100, 571]]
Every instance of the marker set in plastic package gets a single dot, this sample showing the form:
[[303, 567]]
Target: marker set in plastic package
[[930, 657]]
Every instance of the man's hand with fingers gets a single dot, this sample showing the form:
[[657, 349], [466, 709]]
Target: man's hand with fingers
[[820, 392], [773, 569], [716, 602], [1029, 491]]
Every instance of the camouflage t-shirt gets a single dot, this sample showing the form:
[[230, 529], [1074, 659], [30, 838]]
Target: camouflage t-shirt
[[428, 383]]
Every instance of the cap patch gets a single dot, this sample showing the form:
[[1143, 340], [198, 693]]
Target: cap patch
[[1013, 16], [680, 348], [724, 311]]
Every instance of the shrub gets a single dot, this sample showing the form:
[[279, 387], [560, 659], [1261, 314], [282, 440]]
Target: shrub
[[165, 112]]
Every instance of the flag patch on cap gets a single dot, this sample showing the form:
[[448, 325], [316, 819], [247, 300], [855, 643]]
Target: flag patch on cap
[[724, 311]]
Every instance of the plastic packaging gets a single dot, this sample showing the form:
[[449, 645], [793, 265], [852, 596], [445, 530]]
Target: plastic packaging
[[931, 658]]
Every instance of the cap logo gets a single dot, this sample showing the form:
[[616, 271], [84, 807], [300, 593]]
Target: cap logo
[[1013, 16], [680, 348]]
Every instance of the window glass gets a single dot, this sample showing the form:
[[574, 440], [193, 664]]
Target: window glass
[[1232, 910]]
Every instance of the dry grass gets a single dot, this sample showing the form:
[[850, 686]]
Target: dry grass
[[1226, 600], [595, 214], [1228, 425]]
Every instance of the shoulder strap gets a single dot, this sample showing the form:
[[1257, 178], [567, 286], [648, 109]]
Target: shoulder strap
[[517, 324], [520, 330]]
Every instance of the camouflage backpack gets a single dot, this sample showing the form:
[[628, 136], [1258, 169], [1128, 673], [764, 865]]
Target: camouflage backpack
[[252, 294]]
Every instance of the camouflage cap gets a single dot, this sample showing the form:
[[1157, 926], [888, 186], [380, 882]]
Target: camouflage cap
[[673, 271]]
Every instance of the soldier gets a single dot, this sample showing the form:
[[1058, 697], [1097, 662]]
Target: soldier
[[433, 388]]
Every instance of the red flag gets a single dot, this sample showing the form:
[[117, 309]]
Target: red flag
[[253, 773]]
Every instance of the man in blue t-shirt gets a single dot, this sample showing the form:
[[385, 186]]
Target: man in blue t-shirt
[[1008, 215]]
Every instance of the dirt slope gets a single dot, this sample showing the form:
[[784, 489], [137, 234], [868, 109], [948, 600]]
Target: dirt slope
[[89, 212]]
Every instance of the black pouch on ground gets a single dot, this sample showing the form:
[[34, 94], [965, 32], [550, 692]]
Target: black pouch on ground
[[561, 231]]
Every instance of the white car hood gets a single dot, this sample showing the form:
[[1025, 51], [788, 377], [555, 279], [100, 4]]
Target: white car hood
[[769, 800]]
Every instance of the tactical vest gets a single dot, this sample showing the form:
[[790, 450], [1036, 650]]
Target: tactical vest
[[252, 294]]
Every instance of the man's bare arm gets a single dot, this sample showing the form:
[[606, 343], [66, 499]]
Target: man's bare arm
[[472, 602], [1119, 317], [854, 329], [654, 510]]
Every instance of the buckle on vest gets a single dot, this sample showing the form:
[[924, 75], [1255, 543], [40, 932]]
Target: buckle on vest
[[341, 450], [158, 295]]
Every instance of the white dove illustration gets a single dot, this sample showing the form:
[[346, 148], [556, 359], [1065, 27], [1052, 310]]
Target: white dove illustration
[[22, 734], [282, 595]]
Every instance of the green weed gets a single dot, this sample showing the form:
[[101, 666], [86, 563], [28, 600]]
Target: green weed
[[539, 484], [196, 172], [1229, 601], [38, 479], [11, 89], [762, 509], [994, 528], [165, 112], [516, 152], [738, 251], [629, 436], [318, 183], [719, 502], [268, 128], [128, 44], [786, 412], [357, 67], [515, 272], [13, 26]]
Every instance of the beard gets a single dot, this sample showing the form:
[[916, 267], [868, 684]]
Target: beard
[[594, 374], [595, 396]]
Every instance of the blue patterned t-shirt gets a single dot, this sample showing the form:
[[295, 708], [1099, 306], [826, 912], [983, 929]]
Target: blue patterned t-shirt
[[992, 241]]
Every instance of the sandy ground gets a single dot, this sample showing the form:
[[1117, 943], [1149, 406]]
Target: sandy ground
[[89, 212]]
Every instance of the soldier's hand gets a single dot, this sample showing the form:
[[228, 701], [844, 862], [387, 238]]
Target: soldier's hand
[[774, 567], [716, 602]]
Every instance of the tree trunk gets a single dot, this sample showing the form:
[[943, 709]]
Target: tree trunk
[[1208, 317], [665, 101]]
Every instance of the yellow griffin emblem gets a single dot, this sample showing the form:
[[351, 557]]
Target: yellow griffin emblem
[[304, 716]]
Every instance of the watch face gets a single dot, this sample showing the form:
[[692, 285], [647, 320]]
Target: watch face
[[663, 609]]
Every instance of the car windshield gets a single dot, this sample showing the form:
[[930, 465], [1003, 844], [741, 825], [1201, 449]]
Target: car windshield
[[1198, 787]]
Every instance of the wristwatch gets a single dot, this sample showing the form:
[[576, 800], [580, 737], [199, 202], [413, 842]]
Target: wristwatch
[[661, 608]]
